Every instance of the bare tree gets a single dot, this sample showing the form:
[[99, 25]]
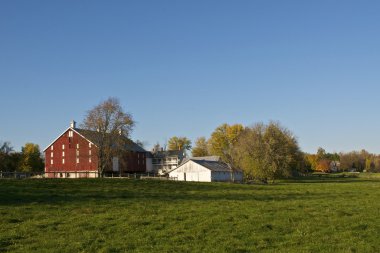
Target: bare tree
[[113, 127], [5, 147]]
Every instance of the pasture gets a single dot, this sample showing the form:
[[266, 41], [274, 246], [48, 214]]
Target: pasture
[[316, 214]]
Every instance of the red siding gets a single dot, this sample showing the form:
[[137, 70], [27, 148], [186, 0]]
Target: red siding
[[131, 162], [71, 155], [135, 162]]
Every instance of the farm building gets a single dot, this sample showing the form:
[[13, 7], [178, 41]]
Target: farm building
[[206, 171], [166, 160], [74, 154]]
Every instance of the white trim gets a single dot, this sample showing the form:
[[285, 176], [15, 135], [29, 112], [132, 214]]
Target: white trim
[[64, 133]]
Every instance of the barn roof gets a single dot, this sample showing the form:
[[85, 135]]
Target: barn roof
[[213, 165], [206, 158], [217, 166], [95, 136]]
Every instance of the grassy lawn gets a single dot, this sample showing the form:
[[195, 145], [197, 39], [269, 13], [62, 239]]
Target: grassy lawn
[[316, 214]]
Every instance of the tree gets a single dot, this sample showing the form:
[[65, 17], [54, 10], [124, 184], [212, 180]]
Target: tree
[[9, 160], [113, 126], [321, 154], [311, 159], [201, 147], [179, 143], [223, 140], [323, 165], [31, 160], [140, 143], [267, 152], [6, 147], [156, 147]]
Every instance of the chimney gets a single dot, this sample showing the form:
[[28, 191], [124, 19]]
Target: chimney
[[73, 124]]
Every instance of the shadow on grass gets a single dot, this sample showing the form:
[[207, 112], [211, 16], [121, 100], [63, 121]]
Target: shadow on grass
[[331, 179], [55, 191]]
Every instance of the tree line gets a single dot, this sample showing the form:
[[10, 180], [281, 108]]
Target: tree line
[[264, 152], [360, 161], [29, 159]]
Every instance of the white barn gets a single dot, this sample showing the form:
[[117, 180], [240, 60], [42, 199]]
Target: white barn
[[206, 171]]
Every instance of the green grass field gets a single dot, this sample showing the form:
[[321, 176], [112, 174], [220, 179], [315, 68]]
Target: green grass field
[[317, 214]]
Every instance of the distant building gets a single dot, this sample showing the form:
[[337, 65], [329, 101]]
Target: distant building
[[206, 171], [164, 161], [334, 166], [74, 154]]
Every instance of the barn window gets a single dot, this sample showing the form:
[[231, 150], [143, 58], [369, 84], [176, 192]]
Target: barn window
[[89, 152], [63, 161], [77, 145], [51, 161], [52, 147], [63, 153], [51, 154], [70, 133], [77, 160], [77, 152], [89, 145], [89, 160], [63, 146]]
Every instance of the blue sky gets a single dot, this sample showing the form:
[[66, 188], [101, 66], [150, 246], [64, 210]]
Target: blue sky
[[185, 67]]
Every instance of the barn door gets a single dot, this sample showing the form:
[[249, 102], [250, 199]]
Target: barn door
[[115, 164]]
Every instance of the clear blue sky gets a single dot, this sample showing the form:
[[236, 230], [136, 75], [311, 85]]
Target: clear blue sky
[[185, 67]]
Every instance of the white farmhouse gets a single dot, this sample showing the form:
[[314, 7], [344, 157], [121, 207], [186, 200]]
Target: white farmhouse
[[206, 171]]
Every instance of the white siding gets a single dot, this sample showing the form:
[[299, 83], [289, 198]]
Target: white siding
[[191, 171], [115, 164], [149, 165]]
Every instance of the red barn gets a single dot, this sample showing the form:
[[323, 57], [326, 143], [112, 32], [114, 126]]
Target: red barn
[[74, 154]]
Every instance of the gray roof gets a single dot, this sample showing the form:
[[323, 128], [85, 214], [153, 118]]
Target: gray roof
[[94, 137], [206, 158], [213, 165]]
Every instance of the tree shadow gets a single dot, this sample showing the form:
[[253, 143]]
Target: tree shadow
[[56, 192]]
